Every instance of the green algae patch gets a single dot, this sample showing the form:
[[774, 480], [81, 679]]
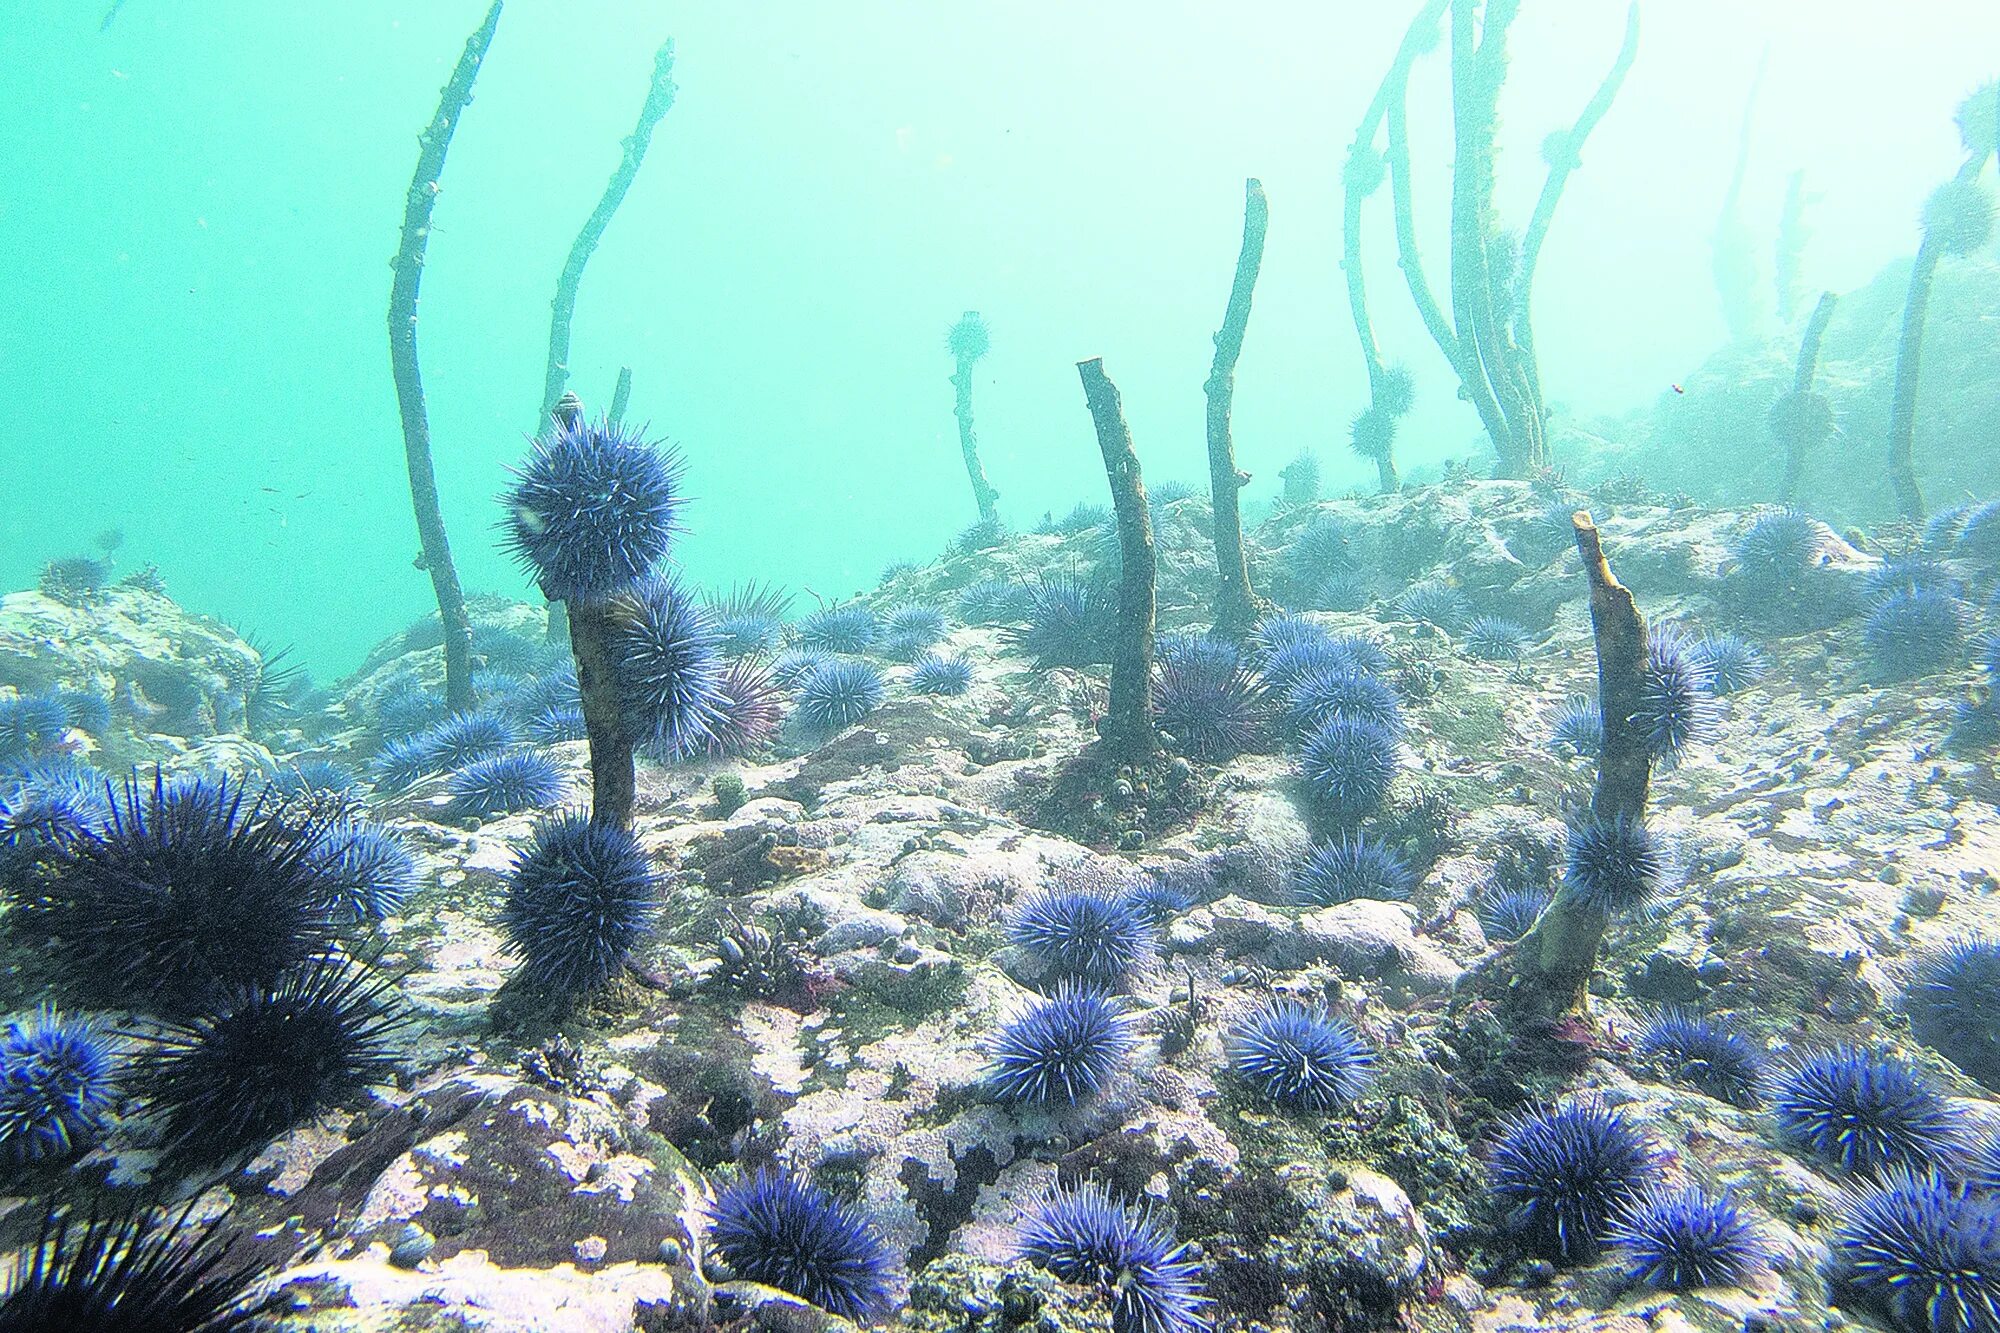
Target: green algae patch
[[1467, 721], [1394, 1131], [957, 1293], [867, 1016]]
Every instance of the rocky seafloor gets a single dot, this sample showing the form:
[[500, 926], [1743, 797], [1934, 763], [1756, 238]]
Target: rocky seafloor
[[830, 960]]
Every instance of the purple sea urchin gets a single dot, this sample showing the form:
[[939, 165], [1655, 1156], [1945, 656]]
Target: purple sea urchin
[[1563, 1175], [1863, 1112], [1676, 705], [1496, 639], [1913, 633], [1613, 865], [593, 508], [462, 738], [1088, 1237], [1321, 696], [993, 602], [1069, 622], [365, 871], [668, 670], [504, 783], [1324, 546], [1275, 633], [838, 693], [932, 673], [748, 712], [1958, 217], [1346, 766], [1063, 1049], [1577, 729], [748, 620], [1208, 708], [1300, 1057], [1730, 661], [1352, 866], [1436, 603], [579, 900], [30, 725], [58, 1075], [908, 630], [1704, 1053], [785, 1233], [851, 628], [1505, 915], [1953, 1002], [1922, 1252], [1083, 935], [1686, 1238], [556, 725]]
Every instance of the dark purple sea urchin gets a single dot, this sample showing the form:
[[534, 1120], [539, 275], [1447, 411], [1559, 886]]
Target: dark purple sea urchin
[[264, 1058], [580, 899]]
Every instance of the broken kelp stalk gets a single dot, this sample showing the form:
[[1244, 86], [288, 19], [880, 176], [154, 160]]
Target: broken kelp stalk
[[1803, 418], [1127, 727], [1389, 390], [621, 396], [1957, 220], [590, 624], [565, 414], [1788, 252], [1489, 362], [968, 341], [1482, 336], [1552, 964], [408, 269], [1235, 606], [1732, 257], [613, 769], [1563, 151], [659, 99], [1422, 37]]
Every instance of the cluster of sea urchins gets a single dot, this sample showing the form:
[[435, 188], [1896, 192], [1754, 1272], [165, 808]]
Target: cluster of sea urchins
[[591, 514], [229, 925]]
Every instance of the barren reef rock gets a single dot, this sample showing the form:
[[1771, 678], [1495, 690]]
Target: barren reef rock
[[830, 960]]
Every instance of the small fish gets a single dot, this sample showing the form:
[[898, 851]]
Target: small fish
[[115, 7]]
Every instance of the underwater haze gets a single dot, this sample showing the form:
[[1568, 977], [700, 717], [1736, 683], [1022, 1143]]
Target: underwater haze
[[203, 200], [968, 668]]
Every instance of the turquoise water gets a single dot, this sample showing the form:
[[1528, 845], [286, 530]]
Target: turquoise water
[[201, 199], [1546, 880]]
